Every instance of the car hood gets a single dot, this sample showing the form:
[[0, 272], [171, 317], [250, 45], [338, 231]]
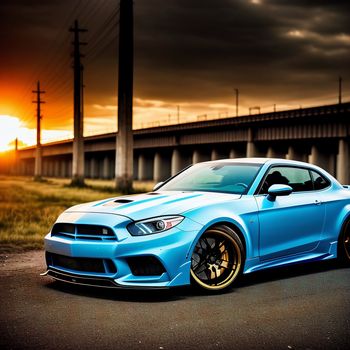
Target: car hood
[[142, 206]]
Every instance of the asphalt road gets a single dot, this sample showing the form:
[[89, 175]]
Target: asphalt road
[[303, 307]]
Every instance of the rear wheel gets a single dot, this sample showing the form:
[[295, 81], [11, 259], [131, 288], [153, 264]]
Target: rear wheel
[[217, 259], [344, 244]]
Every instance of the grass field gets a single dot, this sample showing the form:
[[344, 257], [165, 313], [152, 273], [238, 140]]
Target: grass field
[[28, 209]]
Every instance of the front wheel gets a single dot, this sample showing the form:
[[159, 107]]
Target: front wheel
[[217, 259], [344, 244]]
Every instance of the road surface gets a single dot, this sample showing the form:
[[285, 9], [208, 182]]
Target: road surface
[[300, 307]]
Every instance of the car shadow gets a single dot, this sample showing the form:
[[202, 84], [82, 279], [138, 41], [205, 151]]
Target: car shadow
[[179, 293]]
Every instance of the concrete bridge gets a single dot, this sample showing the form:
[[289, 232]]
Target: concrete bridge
[[318, 135]]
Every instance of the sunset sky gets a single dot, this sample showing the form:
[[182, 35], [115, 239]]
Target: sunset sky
[[188, 53]]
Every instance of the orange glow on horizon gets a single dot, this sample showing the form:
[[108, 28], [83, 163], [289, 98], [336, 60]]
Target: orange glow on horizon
[[11, 128]]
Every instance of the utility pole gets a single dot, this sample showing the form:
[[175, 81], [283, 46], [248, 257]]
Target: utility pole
[[78, 141], [38, 158], [124, 141], [274, 108], [178, 114], [82, 94], [237, 96], [340, 90]]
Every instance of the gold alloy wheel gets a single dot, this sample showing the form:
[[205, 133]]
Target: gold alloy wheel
[[216, 260]]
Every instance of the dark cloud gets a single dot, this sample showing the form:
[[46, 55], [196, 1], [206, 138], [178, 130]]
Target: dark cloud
[[195, 50], [226, 43]]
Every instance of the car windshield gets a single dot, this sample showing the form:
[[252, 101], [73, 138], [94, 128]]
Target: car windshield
[[214, 177]]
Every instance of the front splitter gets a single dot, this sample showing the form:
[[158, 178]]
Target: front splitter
[[91, 281]]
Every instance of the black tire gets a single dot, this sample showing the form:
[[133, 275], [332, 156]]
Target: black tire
[[344, 244], [217, 259]]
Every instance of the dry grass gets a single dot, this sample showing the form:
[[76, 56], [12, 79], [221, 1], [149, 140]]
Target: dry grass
[[28, 209]]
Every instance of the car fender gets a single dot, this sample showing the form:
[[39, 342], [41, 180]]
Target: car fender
[[343, 216], [246, 223]]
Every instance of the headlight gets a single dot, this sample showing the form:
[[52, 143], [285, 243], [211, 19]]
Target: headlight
[[154, 225]]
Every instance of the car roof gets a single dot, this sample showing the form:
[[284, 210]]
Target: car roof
[[244, 160], [261, 161]]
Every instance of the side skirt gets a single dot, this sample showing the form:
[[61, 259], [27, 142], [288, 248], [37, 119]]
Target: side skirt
[[324, 251]]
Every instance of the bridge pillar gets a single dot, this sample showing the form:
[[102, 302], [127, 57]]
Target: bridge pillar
[[239, 151], [271, 152], [198, 156], [145, 168], [274, 152], [215, 155], [294, 154], [176, 162], [105, 172], [93, 168], [233, 153], [321, 158], [161, 167], [251, 147], [343, 162], [141, 167], [157, 167]]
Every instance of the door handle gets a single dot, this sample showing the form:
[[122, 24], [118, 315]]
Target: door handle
[[317, 202]]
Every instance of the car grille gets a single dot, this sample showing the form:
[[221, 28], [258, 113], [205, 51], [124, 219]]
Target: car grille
[[81, 231], [81, 264]]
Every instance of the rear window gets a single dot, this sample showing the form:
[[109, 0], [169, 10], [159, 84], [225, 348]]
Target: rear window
[[319, 181]]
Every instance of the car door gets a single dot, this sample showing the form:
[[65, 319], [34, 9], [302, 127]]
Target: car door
[[290, 224]]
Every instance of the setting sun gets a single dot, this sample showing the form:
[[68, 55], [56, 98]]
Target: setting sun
[[9, 128], [12, 128]]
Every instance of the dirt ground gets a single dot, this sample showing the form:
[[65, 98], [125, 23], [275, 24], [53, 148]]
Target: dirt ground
[[300, 307]]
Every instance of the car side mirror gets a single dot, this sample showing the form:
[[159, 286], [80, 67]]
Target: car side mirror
[[155, 188], [278, 190]]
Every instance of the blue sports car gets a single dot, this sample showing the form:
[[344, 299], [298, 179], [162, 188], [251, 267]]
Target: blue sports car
[[207, 225]]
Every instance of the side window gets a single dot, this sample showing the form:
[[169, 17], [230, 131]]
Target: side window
[[297, 178], [319, 181]]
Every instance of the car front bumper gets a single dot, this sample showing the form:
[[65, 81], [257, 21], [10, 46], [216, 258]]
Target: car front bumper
[[171, 248]]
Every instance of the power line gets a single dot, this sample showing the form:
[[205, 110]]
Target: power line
[[57, 64]]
